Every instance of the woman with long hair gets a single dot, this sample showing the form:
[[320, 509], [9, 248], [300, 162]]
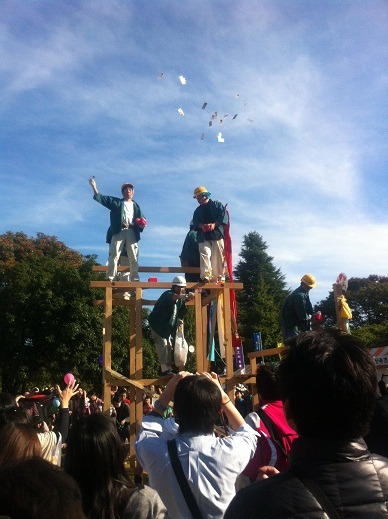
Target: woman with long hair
[[95, 459], [18, 441]]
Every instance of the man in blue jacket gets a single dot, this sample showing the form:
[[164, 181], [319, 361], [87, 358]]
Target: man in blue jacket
[[126, 223], [209, 220]]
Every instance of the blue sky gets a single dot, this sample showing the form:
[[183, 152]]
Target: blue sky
[[304, 163]]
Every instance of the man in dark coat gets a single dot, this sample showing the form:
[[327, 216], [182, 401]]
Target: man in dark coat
[[328, 384], [297, 309], [209, 220], [164, 320]]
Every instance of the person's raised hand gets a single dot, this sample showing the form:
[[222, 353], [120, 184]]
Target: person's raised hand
[[65, 394], [169, 390], [213, 377]]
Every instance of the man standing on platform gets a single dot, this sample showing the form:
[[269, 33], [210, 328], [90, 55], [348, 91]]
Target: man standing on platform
[[167, 313], [297, 309], [126, 223], [209, 220]]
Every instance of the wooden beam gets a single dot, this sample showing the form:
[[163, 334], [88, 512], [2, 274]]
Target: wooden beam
[[188, 270], [268, 352], [118, 377], [124, 302], [162, 285]]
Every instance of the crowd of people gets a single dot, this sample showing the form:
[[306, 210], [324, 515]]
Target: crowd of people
[[315, 446], [304, 451]]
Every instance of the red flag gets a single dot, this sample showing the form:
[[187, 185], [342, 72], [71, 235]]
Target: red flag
[[236, 340]]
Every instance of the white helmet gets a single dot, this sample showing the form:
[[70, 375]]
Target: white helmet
[[179, 281]]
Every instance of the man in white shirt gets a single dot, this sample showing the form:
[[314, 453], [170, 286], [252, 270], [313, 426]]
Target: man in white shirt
[[210, 464]]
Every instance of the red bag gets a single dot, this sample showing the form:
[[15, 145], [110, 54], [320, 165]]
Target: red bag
[[274, 442], [141, 222]]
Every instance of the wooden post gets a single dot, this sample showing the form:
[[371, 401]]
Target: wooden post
[[204, 339], [132, 375], [107, 349], [139, 335], [199, 347], [228, 343], [139, 357], [255, 395]]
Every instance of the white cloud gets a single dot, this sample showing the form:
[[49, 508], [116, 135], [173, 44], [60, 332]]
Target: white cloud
[[83, 99]]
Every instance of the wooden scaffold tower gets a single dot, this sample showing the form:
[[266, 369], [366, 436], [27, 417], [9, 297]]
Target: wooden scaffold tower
[[136, 382]]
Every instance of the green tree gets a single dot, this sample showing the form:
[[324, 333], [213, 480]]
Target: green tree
[[263, 295], [18, 248], [373, 335], [49, 325], [368, 299]]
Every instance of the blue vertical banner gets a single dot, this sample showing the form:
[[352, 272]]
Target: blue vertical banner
[[258, 344], [239, 357]]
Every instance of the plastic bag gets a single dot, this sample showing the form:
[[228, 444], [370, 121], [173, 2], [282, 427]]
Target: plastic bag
[[345, 311], [181, 348]]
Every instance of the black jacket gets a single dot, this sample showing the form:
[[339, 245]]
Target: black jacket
[[355, 482]]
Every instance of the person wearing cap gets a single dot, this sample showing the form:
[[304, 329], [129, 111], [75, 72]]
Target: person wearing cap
[[126, 223], [167, 313], [297, 309], [208, 220]]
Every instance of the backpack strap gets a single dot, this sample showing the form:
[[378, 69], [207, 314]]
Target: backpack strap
[[313, 487], [181, 478], [273, 433]]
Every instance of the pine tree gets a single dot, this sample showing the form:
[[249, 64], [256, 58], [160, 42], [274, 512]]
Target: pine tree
[[264, 292]]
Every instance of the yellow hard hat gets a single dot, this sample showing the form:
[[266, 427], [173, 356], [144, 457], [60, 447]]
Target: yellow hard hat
[[309, 280], [200, 190]]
